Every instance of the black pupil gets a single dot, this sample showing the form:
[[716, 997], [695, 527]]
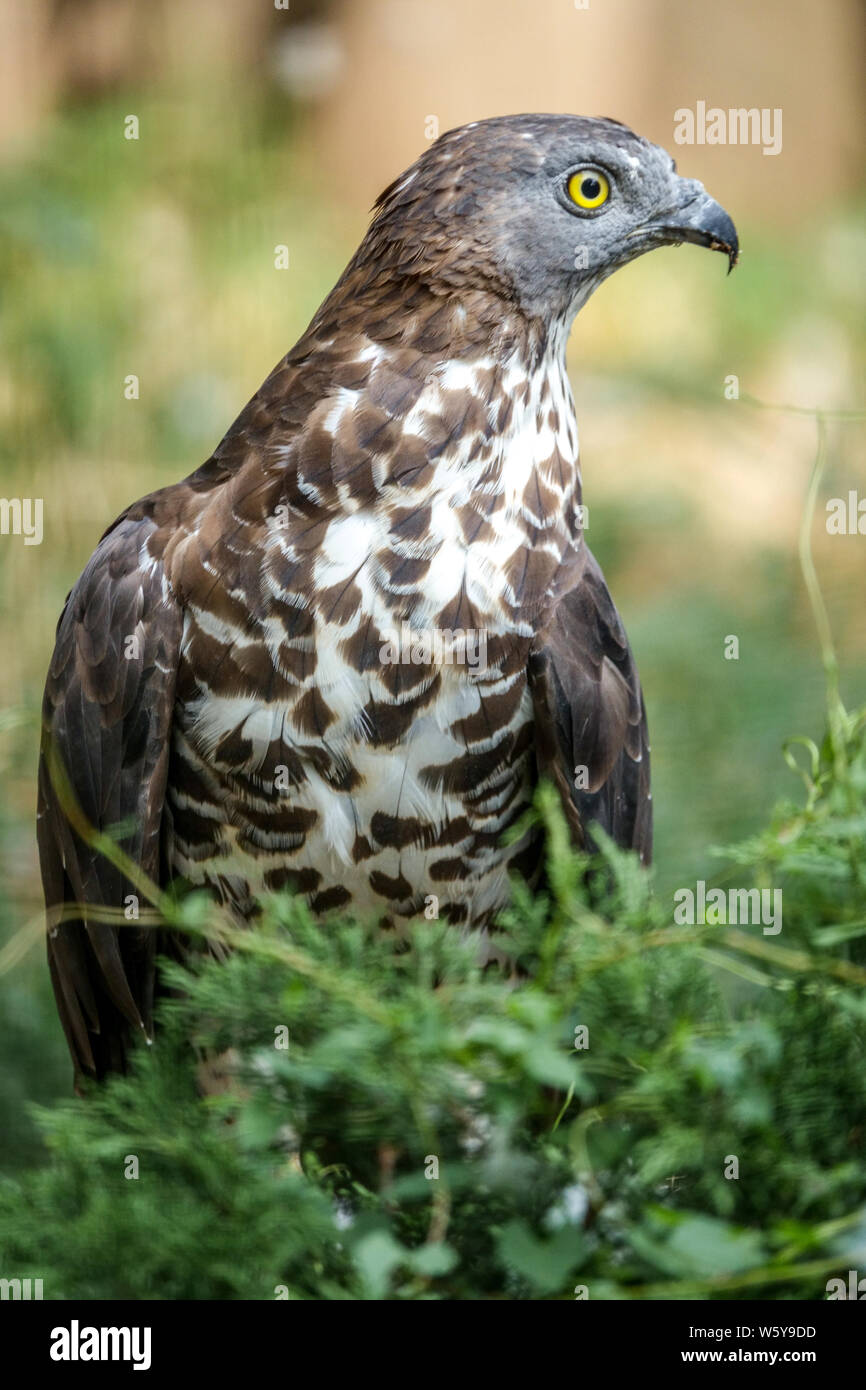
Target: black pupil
[[590, 188]]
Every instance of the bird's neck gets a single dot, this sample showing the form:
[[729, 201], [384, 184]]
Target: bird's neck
[[451, 421], [429, 439], [457, 392]]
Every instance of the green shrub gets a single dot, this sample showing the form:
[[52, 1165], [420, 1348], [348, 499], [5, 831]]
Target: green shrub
[[560, 1167]]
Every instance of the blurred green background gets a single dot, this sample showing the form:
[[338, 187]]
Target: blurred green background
[[260, 127]]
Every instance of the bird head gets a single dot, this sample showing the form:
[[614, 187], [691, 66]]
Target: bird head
[[540, 209]]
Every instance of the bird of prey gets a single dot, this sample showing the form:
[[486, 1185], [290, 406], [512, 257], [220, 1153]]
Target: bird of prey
[[338, 656]]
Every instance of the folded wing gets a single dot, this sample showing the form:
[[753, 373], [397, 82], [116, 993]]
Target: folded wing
[[106, 723], [590, 721]]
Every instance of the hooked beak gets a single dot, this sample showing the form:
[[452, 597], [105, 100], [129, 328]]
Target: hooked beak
[[699, 219]]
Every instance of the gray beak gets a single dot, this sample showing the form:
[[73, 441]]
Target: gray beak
[[699, 219]]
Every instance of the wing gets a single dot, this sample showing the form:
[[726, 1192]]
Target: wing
[[589, 714], [107, 716]]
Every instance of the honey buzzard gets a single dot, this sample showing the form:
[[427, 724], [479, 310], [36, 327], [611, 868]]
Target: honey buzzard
[[339, 655]]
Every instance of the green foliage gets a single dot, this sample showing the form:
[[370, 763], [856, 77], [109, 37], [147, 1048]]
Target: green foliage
[[432, 1130]]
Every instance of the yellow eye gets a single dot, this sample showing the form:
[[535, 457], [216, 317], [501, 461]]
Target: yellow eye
[[588, 188]]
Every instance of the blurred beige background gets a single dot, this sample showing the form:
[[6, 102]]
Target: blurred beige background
[[373, 71]]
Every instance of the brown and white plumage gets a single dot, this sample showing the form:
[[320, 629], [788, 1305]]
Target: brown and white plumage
[[410, 466]]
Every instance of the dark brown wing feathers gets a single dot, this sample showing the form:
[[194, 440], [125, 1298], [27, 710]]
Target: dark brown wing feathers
[[106, 719], [589, 714]]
